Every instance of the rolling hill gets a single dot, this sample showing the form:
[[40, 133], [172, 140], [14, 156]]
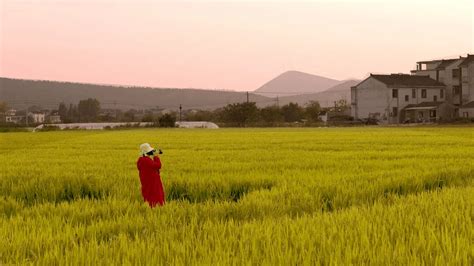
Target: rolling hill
[[20, 93], [325, 98], [295, 83], [48, 94]]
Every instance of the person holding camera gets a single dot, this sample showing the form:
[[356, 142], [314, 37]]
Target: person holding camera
[[150, 179]]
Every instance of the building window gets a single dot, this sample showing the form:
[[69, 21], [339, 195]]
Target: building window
[[435, 98], [465, 114], [432, 113], [395, 111], [456, 90], [413, 93], [423, 93], [456, 73], [441, 93], [395, 93], [407, 98]]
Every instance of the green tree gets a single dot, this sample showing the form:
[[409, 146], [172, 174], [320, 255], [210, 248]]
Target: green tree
[[200, 115], [312, 111], [240, 113], [341, 105], [129, 116], [3, 107], [292, 112], [88, 110], [148, 117], [72, 115], [167, 120], [62, 111], [271, 114]]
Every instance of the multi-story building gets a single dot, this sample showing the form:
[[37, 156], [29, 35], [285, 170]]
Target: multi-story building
[[436, 90], [458, 76], [399, 98]]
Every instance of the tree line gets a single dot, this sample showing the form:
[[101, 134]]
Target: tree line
[[249, 114], [85, 111], [235, 114]]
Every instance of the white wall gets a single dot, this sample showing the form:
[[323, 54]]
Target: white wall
[[471, 82], [372, 96], [450, 82]]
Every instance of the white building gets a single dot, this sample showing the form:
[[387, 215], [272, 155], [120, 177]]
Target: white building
[[458, 76], [12, 117], [37, 117], [399, 98], [54, 118]]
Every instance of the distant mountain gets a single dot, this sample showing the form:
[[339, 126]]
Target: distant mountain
[[48, 94], [325, 98], [294, 83]]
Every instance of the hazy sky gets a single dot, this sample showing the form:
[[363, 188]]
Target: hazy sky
[[235, 45]]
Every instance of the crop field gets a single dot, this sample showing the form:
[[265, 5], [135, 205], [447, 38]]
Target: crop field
[[328, 196]]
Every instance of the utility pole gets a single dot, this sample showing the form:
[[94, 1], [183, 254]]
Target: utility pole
[[247, 97], [115, 107], [180, 108], [26, 114]]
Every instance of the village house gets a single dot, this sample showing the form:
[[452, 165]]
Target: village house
[[37, 117], [11, 116], [400, 98], [440, 90], [54, 117], [19, 117], [458, 76]]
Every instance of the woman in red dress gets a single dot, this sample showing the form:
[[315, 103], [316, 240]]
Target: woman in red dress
[[149, 171]]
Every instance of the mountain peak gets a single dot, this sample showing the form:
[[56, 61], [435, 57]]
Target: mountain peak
[[295, 82]]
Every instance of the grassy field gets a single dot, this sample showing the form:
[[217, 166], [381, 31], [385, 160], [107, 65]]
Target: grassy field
[[327, 196]]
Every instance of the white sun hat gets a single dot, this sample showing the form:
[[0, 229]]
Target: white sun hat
[[146, 148]]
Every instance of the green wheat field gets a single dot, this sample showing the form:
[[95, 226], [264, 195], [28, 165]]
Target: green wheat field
[[327, 196]]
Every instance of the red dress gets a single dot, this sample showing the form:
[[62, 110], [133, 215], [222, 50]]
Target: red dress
[[152, 188]]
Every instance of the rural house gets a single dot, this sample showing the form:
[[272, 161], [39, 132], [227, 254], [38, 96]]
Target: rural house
[[11, 116], [54, 117], [458, 76], [398, 98], [37, 117]]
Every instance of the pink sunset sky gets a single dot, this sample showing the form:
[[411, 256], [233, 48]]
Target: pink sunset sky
[[236, 45]]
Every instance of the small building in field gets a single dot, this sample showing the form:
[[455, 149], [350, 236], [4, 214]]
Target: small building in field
[[467, 110], [37, 117], [12, 116], [384, 98], [16, 119], [54, 117]]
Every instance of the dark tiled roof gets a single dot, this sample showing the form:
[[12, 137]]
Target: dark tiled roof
[[406, 80], [468, 105], [445, 63], [425, 104], [429, 61], [469, 59]]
